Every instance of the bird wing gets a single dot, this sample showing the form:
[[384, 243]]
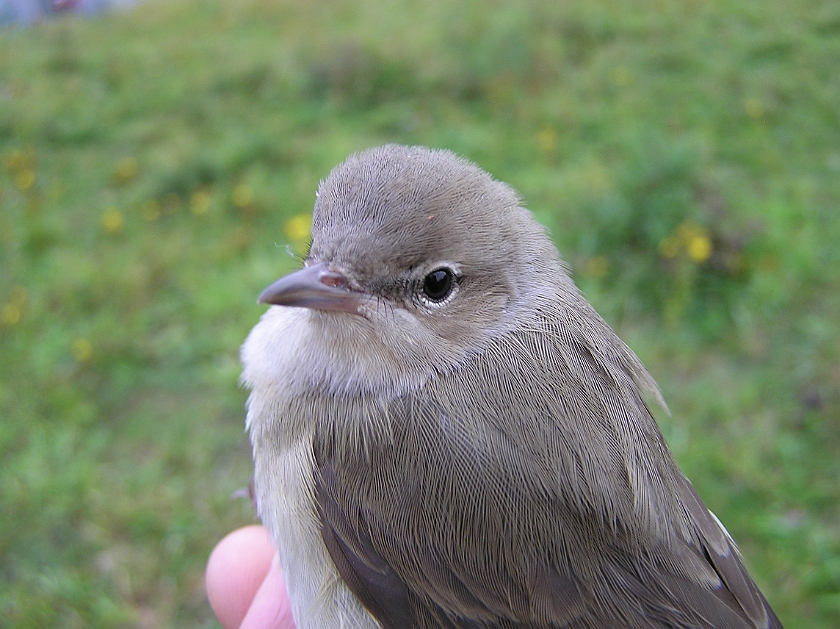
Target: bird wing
[[447, 511]]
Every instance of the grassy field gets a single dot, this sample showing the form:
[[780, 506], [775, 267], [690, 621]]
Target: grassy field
[[156, 164]]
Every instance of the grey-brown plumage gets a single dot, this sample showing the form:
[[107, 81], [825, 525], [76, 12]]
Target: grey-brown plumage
[[446, 434]]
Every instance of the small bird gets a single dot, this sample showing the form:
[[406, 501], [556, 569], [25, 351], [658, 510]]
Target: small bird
[[447, 435]]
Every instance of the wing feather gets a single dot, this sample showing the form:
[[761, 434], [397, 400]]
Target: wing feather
[[426, 526]]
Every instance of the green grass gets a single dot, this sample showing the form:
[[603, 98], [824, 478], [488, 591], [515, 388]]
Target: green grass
[[155, 164]]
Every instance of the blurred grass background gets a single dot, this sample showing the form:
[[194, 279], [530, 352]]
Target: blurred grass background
[[156, 163]]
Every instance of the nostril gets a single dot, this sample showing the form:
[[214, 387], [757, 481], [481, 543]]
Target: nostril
[[332, 279]]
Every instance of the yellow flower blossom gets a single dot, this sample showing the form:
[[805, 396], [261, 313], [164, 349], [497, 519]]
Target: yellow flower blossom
[[10, 314], [17, 160], [126, 170], [597, 266], [81, 349], [688, 237], [699, 248], [13, 160], [112, 221], [200, 202], [25, 179], [547, 138], [241, 195], [754, 108], [297, 227]]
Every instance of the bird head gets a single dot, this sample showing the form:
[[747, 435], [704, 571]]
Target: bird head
[[420, 256]]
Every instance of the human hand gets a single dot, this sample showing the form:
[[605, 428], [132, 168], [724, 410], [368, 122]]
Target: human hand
[[245, 584]]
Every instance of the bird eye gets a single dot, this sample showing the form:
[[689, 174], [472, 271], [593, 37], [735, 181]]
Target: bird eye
[[437, 285]]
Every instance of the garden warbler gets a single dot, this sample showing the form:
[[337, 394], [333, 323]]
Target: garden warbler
[[446, 433]]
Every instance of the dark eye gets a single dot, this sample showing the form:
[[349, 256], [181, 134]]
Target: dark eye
[[438, 285]]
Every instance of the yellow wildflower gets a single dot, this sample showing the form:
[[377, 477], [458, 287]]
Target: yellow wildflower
[[25, 179], [699, 248], [112, 220], [547, 138], [597, 266], [126, 170], [689, 237], [14, 160], [81, 349], [10, 314], [297, 227], [241, 195], [200, 202], [753, 108]]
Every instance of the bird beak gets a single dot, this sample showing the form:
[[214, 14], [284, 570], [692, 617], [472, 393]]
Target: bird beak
[[317, 287]]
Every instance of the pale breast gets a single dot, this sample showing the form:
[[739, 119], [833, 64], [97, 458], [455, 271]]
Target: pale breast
[[274, 356]]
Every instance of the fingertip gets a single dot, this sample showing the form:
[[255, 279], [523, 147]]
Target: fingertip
[[270, 607], [235, 571]]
